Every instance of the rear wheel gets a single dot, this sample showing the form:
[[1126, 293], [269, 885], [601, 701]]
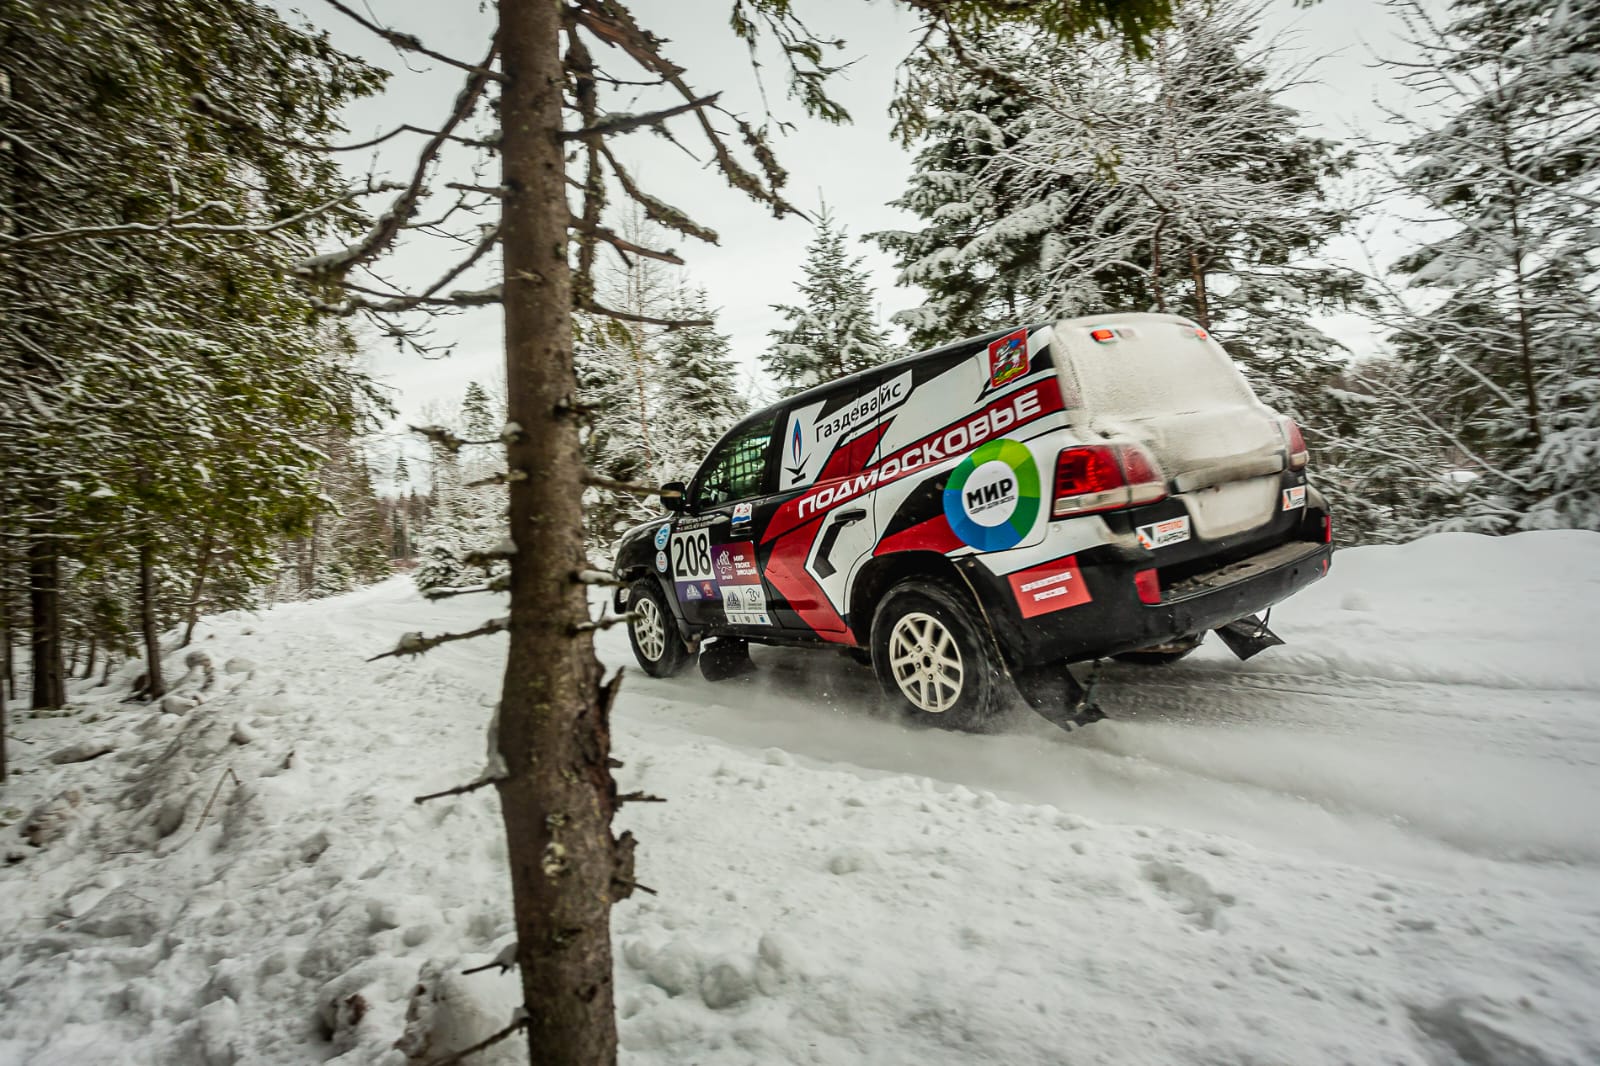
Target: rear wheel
[[652, 631], [933, 656], [1162, 654]]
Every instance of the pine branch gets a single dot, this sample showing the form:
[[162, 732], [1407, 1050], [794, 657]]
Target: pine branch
[[603, 624], [655, 210], [410, 43], [639, 797], [184, 222], [622, 244], [417, 644], [502, 583], [614, 24], [335, 265], [633, 487], [459, 790], [625, 123], [594, 307], [506, 959], [519, 1021], [499, 477], [399, 302]]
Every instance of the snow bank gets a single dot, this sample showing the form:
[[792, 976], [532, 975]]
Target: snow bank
[[1376, 844]]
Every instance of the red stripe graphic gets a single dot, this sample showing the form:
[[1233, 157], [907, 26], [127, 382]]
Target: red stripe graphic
[[795, 525], [951, 442]]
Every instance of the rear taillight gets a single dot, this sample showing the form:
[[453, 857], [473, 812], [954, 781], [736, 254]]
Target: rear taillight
[[1104, 477], [1148, 583], [1298, 456], [1327, 529]]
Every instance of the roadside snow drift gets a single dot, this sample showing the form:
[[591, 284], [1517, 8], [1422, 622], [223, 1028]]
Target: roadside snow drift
[[1380, 843]]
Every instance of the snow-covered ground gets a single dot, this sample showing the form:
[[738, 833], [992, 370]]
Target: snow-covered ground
[[1378, 844]]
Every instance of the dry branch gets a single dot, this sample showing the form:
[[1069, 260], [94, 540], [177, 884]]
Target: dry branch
[[410, 43], [417, 644]]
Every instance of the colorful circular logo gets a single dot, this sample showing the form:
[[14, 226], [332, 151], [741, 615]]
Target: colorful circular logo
[[992, 498], [661, 537]]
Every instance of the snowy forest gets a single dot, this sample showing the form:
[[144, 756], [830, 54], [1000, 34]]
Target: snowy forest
[[206, 268]]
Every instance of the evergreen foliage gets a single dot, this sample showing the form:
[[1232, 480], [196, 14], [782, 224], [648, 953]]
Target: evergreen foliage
[[465, 521], [167, 378], [701, 396], [834, 330], [1503, 362], [1075, 179]]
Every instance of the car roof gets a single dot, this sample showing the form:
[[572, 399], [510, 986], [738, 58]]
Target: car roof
[[905, 360]]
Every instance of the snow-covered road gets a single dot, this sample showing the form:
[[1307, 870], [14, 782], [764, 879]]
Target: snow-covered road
[[1378, 844]]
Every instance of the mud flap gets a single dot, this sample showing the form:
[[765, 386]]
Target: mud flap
[[725, 658], [1054, 694], [1248, 636]]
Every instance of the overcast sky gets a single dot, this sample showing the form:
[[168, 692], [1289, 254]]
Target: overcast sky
[[858, 168]]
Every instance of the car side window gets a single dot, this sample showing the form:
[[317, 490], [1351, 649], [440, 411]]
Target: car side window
[[736, 470]]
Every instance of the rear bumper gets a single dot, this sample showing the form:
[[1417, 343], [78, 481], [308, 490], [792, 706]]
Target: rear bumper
[[1114, 619]]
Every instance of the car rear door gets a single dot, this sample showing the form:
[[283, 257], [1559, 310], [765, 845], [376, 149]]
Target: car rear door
[[822, 526], [1167, 384]]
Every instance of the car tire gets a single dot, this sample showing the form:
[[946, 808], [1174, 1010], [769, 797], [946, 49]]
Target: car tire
[[1162, 654], [934, 657], [653, 631]]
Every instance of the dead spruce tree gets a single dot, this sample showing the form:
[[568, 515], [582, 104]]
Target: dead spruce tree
[[541, 79]]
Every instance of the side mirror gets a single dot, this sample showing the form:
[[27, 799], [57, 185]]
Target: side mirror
[[673, 494]]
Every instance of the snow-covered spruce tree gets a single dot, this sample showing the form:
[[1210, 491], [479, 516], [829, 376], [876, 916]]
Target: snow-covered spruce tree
[[151, 192], [1175, 182], [1505, 357], [834, 330], [619, 379], [465, 524], [977, 254], [701, 396], [551, 744]]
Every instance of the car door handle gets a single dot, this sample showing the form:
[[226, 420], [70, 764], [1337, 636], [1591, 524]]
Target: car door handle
[[830, 537]]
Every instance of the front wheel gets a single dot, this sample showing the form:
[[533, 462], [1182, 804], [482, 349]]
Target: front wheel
[[652, 632], [933, 656]]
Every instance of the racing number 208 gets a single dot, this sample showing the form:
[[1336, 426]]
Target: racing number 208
[[691, 555]]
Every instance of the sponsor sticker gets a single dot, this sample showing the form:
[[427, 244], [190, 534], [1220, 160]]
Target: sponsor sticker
[[691, 591], [992, 497], [1015, 409], [743, 597], [690, 560], [1294, 498], [813, 436], [741, 514], [661, 561], [662, 536], [1160, 534], [1051, 586], [1008, 357]]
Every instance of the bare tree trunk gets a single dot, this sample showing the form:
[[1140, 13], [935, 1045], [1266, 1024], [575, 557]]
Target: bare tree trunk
[[94, 647], [202, 565], [1155, 264], [8, 670], [155, 686], [1202, 305], [558, 796], [72, 659], [44, 610], [1524, 326]]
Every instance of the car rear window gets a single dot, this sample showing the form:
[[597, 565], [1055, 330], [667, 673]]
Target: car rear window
[[1161, 368]]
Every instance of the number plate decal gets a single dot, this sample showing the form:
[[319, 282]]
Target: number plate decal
[[690, 556]]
